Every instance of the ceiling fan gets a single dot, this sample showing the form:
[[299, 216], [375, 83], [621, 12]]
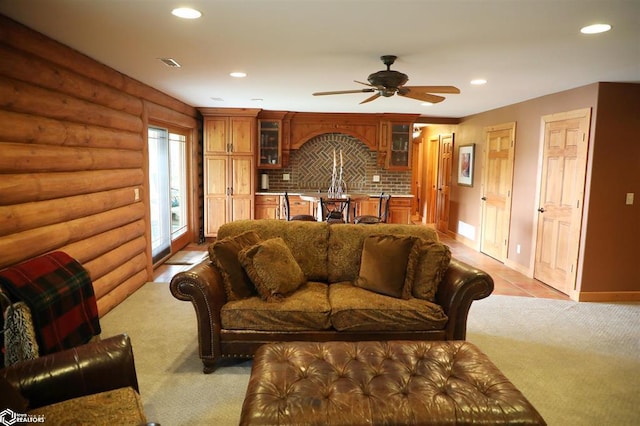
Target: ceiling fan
[[389, 82]]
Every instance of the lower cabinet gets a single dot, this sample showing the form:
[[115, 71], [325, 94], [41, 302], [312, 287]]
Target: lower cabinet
[[272, 207], [367, 207], [400, 210], [299, 206], [267, 207]]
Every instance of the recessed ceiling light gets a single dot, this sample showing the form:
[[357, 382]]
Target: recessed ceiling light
[[170, 62], [238, 74], [595, 29], [186, 13], [478, 81], [426, 103], [257, 99], [217, 99]]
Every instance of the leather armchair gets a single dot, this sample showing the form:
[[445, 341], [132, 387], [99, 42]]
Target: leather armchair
[[84, 370]]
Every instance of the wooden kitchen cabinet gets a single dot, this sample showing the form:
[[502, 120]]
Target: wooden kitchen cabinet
[[400, 210], [229, 135], [394, 145], [367, 207], [399, 149], [300, 206], [268, 207], [229, 166], [269, 144]]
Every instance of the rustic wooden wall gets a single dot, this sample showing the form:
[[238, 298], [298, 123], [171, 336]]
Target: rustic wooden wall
[[73, 156]]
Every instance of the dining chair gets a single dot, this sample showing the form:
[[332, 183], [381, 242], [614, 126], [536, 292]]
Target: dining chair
[[383, 212], [335, 211], [287, 208]]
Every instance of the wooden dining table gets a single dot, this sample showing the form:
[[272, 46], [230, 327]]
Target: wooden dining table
[[314, 197]]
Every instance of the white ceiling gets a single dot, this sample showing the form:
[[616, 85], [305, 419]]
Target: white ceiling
[[292, 48]]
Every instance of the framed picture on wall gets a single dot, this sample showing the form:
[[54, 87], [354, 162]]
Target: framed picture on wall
[[466, 154]]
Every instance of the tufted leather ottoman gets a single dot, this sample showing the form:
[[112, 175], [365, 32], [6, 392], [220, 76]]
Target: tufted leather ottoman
[[381, 383]]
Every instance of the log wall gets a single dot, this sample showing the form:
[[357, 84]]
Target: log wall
[[72, 158]]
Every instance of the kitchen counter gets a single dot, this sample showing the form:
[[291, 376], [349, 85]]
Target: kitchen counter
[[303, 192]]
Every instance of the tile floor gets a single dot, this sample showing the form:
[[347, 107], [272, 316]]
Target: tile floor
[[507, 281]]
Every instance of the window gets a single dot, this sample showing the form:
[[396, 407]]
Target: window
[[167, 189]]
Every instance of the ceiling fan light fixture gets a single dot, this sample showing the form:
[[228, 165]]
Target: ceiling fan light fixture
[[186, 13], [388, 83], [595, 29]]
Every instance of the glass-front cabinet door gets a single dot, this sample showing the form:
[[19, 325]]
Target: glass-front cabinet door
[[400, 146], [269, 153]]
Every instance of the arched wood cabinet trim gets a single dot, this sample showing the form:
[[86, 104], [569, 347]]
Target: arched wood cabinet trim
[[307, 126]]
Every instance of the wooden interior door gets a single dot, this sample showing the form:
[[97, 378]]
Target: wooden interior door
[[416, 181], [431, 180], [445, 162], [497, 184], [564, 167]]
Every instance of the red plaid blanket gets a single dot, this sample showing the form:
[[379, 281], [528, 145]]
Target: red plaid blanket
[[59, 292]]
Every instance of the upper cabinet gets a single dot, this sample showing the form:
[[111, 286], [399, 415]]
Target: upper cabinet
[[269, 144], [229, 135], [394, 148], [400, 146]]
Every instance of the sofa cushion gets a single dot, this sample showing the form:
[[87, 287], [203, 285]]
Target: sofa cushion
[[345, 245], [308, 241], [115, 407], [224, 253], [383, 267], [432, 262], [272, 268], [306, 309], [357, 309]]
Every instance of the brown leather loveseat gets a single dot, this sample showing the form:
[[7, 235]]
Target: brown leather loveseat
[[345, 292], [95, 383]]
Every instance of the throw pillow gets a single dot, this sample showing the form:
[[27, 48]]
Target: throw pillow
[[433, 259], [224, 254], [272, 269], [383, 265], [11, 398]]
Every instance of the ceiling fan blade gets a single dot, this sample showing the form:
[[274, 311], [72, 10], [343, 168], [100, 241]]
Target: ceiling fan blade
[[366, 84], [342, 92], [371, 98], [425, 97], [433, 89]]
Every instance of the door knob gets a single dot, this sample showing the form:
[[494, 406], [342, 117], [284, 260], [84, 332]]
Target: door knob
[[484, 198], [541, 210]]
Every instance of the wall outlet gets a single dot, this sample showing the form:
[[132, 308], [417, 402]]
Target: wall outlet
[[136, 194], [376, 178], [518, 249], [286, 176], [629, 199]]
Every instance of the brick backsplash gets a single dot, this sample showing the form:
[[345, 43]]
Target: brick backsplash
[[310, 168]]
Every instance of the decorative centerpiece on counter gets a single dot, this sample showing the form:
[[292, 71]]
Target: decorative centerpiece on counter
[[338, 186]]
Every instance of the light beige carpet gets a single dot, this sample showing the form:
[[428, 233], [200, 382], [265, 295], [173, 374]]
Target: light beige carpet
[[577, 363]]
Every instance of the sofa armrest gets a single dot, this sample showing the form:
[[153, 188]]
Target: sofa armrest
[[96, 367], [202, 285], [460, 286]]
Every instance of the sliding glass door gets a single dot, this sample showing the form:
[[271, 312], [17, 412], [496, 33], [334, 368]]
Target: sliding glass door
[[169, 213]]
